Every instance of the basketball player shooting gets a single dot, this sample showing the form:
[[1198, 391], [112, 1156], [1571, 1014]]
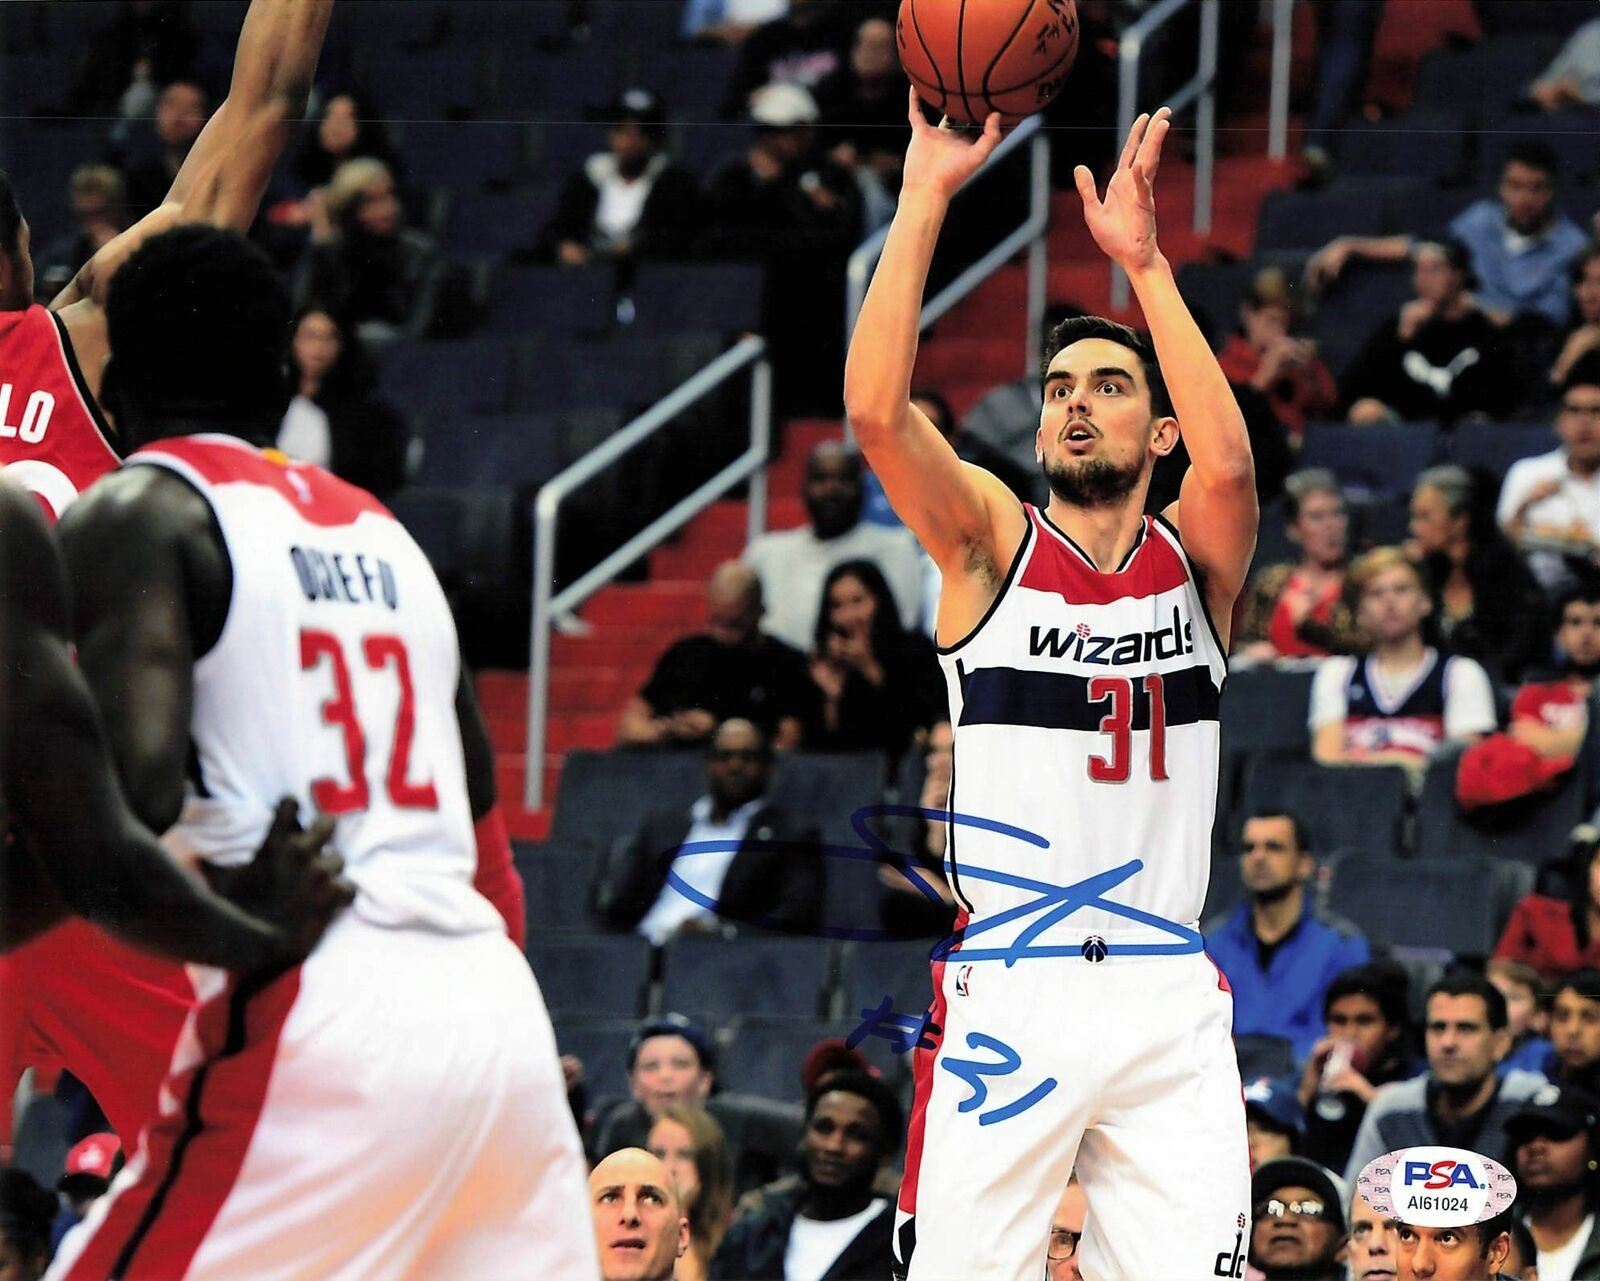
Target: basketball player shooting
[[1084, 649]]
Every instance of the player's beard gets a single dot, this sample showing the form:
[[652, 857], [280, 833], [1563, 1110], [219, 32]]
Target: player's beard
[[1094, 482]]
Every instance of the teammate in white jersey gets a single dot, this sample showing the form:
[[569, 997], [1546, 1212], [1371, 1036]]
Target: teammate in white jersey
[[392, 1107], [1085, 648]]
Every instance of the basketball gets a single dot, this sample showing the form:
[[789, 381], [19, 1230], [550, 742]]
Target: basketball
[[968, 58]]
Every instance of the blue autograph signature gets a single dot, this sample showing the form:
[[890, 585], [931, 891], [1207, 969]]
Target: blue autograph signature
[[1054, 903]]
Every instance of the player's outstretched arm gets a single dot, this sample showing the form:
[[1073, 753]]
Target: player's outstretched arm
[[953, 508], [225, 174], [1216, 510], [89, 855]]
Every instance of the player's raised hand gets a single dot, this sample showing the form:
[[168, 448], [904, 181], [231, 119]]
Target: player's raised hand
[[1124, 223], [943, 158], [294, 883]]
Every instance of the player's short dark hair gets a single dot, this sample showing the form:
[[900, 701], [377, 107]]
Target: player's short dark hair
[[1385, 983], [1464, 982], [1302, 833], [10, 217], [1533, 153], [1585, 982], [874, 1091], [1490, 1229], [1585, 372], [1077, 328], [198, 319], [26, 1213]]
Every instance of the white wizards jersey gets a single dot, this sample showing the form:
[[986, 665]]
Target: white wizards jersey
[[1085, 713], [334, 681]]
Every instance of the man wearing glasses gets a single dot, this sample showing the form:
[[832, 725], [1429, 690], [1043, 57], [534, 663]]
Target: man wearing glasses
[[1550, 504], [1066, 1230], [1299, 1229]]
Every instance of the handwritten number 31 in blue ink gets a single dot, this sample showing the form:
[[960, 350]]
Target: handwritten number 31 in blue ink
[[972, 1071]]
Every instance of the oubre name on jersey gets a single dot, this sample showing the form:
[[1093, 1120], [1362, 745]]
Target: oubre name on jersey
[[345, 578]]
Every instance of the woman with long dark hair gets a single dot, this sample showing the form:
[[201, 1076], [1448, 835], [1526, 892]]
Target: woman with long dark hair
[[880, 684], [1486, 604]]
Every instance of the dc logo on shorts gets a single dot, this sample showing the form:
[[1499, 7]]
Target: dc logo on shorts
[[1094, 948], [964, 981]]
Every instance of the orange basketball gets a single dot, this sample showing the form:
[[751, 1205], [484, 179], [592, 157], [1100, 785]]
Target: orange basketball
[[970, 57]]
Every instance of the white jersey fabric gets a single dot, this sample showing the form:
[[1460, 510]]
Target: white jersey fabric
[[394, 1105], [1076, 1023]]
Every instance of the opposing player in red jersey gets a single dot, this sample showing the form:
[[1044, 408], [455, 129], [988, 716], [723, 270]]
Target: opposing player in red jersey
[[250, 626]]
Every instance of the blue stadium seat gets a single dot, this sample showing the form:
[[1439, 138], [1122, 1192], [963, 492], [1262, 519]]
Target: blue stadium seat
[[464, 153], [762, 1054], [692, 79], [501, 449], [557, 878], [605, 795], [1309, 219], [563, 144], [824, 791], [1424, 966], [751, 974], [1421, 902], [899, 970], [602, 1044], [1495, 446], [1262, 1055], [359, 25], [498, 222], [466, 533], [569, 84], [1348, 805], [1264, 710], [602, 974], [1427, 211], [703, 145], [1365, 295], [1383, 458], [553, 299], [1530, 831], [1425, 145], [1380, 520], [679, 296], [456, 377], [435, 84], [1482, 83]]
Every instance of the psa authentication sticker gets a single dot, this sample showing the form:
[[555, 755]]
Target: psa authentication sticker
[[1436, 1187]]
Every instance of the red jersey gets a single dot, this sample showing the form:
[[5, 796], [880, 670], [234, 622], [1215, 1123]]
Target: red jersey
[[53, 440]]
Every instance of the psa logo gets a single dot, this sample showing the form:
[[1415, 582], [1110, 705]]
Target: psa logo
[[1440, 1174]]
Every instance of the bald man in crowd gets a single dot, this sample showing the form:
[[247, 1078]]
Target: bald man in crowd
[[732, 669], [639, 1223]]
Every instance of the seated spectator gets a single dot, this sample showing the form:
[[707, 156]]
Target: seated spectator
[[1299, 1231], [1403, 701], [181, 113], [1066, 1231], [1550, 504], [1367, 1046], [1527, 1019], [1557, 936], [761, 881], [670, 1062], [1485, 604], [1438, 359], [689, 1143], [629, 201], [863, 107], [349, 128], [802, 48], [834, 1224], [640, 1227], [1573, 76], [1556, 1147], [1264, 355], [1583, 331], [1293, 611], [1518, 245], [100, 210], [1274, 1124], [1374, 1243], [732, 669], [1461, 1101], [1277, 952], [793, 563], [908, 910], [879, 683], [729, 22], [26, 1211], [789, 206], [364, 263], [1575, 1031], [146, 44], [86, 1176], [336, 420]]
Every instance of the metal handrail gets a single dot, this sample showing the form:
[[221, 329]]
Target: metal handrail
[[1030, 235], [1200, 88], [1278, 102], [547, 603]]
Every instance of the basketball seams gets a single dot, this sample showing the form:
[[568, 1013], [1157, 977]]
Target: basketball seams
[[916, 26], [1005, 47], [1068, 56], [961, 57]]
